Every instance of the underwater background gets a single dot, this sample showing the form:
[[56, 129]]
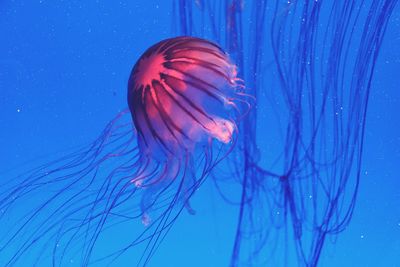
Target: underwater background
[[64, 67]]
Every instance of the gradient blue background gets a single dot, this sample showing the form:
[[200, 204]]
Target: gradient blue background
[[64, 67]]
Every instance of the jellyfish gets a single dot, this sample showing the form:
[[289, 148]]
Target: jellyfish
[[309, 65], [185, 102]]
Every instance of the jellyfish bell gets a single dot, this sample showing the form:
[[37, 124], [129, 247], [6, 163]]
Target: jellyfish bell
[[185, 102], [181, 93]]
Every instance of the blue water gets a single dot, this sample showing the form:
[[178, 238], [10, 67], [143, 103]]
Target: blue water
[[64, 67]]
